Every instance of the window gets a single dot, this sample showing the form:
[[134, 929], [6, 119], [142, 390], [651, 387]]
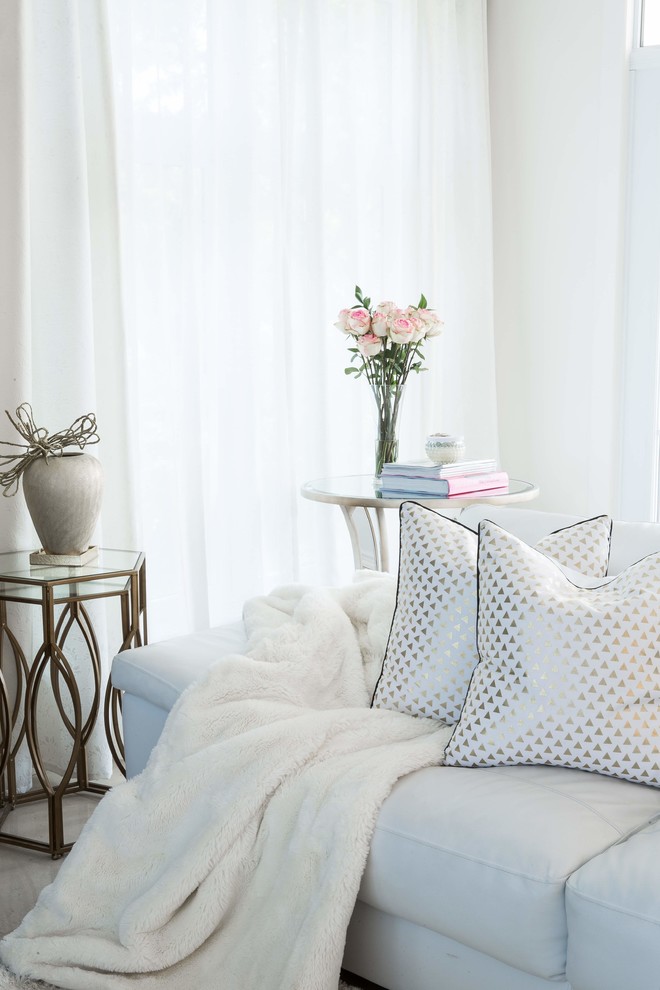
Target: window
[[640, 459], [650, 23]]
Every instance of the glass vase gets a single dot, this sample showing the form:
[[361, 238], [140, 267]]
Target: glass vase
[[387, 423], [387, 450]]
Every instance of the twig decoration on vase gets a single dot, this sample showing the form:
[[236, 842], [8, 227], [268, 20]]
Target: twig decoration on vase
[[388, 346]]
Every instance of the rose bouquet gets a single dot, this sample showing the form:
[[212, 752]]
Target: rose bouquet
[[387, 346]]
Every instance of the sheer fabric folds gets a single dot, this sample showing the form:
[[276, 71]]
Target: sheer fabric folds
[[61, 336], [191, 190], [272, 154]]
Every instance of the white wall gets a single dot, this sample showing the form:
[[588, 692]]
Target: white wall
[[558, 79]]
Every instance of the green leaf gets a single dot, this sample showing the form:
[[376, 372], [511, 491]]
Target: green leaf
[[422, 304], [367, 302], [358, 293], [350, 371]]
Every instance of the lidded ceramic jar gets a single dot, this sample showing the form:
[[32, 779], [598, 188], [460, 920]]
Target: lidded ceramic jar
[[443, 448]]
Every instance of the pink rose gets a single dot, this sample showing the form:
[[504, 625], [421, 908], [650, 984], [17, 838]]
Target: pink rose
[[432, 322], [341, 323], [402, 330], [369, 344], [358, 321], [379, 324], [420, 328], [382, 313]]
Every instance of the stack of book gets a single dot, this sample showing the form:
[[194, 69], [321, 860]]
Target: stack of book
[[425, 479]]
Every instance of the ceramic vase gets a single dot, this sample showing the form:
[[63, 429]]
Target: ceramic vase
[[63, 495]]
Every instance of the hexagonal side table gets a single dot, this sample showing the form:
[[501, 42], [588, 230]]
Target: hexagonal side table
[[61, 592]]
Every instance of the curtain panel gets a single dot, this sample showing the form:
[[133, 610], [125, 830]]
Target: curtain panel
[[190, 191], [272, 154], [62, 339]]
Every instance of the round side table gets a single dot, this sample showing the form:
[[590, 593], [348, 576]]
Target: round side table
[[364, 510]]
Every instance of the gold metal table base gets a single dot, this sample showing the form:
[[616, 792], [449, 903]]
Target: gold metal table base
[[19, 718]]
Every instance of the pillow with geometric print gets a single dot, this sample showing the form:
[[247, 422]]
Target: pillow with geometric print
[[568, 675], [432, 648]]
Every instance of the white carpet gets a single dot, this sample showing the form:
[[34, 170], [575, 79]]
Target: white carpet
[[248, 832]]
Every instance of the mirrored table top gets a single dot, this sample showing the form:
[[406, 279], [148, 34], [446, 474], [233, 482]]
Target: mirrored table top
[[362, 489]]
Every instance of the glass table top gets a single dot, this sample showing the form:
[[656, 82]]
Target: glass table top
[[360, 489], [106, 574]]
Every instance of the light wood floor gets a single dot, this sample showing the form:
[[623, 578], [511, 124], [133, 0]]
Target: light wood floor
[[23, 873]]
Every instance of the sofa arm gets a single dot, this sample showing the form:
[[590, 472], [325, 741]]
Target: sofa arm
[[153, 677], [159, 673]]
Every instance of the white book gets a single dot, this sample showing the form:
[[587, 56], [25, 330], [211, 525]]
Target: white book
[[428, 469]]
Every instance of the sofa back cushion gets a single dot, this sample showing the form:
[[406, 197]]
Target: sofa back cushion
[[630, 540]]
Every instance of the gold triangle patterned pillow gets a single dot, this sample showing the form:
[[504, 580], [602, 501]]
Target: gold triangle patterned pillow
[[432, 648], [568, 675]]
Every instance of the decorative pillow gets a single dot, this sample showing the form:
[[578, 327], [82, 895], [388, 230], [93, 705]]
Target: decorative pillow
[[568, 675], [432, 648]]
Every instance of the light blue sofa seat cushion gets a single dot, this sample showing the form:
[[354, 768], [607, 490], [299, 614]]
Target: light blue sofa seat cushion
[[613, 908], [483, 855]]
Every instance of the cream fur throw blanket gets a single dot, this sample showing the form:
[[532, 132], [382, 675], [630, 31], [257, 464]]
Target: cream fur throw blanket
[[234, 860]]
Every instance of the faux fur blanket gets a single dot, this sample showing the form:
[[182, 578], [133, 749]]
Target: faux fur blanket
[[234, 860]]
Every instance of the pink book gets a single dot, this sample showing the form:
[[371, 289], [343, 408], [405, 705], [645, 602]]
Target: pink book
[[467, 484]]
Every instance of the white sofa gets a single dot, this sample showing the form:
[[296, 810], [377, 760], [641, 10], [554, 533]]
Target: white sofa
[[510, 878]]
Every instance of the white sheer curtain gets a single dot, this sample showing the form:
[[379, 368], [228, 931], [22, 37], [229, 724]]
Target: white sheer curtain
[[273, 153], [61, 342], [175, 262]]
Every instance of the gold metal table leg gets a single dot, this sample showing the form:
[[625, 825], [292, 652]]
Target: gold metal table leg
[[134, 631], [10, 715]]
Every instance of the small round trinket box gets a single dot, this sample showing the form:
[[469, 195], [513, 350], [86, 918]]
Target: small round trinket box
[[443, 448]]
